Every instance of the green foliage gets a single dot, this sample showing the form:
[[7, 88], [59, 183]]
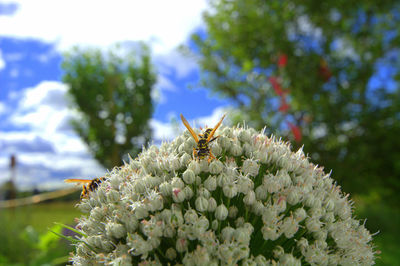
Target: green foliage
[[383, 220], [333, 48], [113, 95]]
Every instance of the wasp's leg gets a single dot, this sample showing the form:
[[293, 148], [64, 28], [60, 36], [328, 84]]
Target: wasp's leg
[[194, 154], [210, 156], [214, 138]]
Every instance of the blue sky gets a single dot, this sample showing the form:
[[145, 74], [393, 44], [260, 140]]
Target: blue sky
[[34, 114]]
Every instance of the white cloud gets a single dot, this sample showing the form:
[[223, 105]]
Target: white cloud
[[45, 93], [183, 64], [47, 152], [44, 110], [2, 62], [164, 24], [163, 131]]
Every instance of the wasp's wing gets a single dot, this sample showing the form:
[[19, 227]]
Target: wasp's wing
[[215, 128], [186, 123], [77, 180]]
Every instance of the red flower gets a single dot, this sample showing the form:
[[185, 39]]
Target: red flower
[[324, 70], [295, 131], [282, 60], [276, 86], [284, 107]]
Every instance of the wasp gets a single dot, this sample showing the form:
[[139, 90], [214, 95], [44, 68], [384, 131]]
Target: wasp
[[203, 140], [88, 185]]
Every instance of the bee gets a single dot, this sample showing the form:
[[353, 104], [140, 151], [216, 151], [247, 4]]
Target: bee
[[203, 140], [88, 185]]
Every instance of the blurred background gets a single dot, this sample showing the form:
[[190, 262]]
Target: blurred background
[[84, 83]]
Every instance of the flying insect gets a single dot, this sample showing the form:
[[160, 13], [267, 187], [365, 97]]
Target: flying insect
[[88, 185], [203, 150]]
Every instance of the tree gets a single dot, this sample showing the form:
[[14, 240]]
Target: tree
[[112, 92], [309, 67]]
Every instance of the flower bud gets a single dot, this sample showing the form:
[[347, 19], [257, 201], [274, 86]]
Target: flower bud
[[224, 179], [181, 245], [250, 198], [320, 235], [293, 196], [112, 196], [165, 215], [270, 233], [201, 226], [242, 235], [214, 225], [224, 142], [239, 222], [230, 190], [115, 230], [300, 214], [198, 180], [169, 231], [195, 167], [204, 166], [221, 212], [328, 217], [212, 205], [216, 167], [201, 204], [185, 159], [97, 213], [288, 259], [244, 184], [211, 183], [166, 189], [131, 223], [227, 234], [170, 254], [178, 195], [176, 182], [302, 244], [313, 224], [248, 149], [289, 227], [189, 176], [216, 149], [140, 212], [188, 192], [233, 211], [250, 167], [203, 192], [330, 205], [261, 192], [176, 218], [278, 252], [258, 208], [174, 163], [190, 216], [236, 150], [261, 260]]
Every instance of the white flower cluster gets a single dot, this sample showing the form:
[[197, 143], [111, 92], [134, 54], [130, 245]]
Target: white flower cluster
[[257, 204]]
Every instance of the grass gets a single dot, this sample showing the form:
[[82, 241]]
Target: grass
[[42, 216], [25, 239]]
